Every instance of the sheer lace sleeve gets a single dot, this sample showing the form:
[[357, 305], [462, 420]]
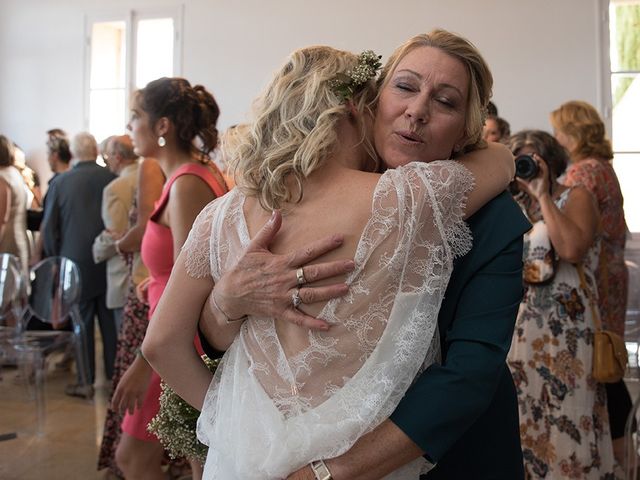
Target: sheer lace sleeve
[[450, 183], [197, 246]]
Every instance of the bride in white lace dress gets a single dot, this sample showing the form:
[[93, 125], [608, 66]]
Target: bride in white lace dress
[[284, 396]]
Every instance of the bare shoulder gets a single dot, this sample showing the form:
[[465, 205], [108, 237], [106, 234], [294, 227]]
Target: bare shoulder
[[191, 185], [149, 166]]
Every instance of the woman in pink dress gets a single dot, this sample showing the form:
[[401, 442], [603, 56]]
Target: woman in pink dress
[[167, 116], [579, 128]]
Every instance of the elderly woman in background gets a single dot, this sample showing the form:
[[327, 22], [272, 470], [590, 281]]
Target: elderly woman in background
[[579, 128], [564, 425], [13, 206]]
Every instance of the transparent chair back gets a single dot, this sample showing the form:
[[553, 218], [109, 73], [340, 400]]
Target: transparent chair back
[[55, 291], [53, 301]]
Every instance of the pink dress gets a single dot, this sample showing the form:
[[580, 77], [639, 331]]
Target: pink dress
[[157, 255]]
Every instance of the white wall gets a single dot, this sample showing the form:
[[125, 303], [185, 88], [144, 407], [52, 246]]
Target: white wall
[[542, 52]]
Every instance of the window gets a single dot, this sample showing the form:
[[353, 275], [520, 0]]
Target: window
[[624, 44], [125, 51]]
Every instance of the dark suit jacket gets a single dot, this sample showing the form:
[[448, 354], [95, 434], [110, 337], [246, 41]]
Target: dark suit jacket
[[72, 220], [463, 413]]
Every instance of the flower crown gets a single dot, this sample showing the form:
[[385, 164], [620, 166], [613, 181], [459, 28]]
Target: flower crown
[[345, 85]]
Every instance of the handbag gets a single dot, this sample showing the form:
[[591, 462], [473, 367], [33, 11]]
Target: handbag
[[541, 261], [610, 356]]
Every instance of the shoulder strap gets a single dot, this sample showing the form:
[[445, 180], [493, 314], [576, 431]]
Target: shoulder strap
[[199, 170], [594, 308]]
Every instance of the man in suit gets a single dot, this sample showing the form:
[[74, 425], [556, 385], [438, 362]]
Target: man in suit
[[117, 200], [58, 157], [70, 224], [461, 414]]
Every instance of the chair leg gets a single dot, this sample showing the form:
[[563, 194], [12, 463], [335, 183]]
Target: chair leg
[[81, 351], [39, 384], [32, 368]]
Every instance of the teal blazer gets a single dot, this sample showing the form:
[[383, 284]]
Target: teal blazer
[[463, 412]]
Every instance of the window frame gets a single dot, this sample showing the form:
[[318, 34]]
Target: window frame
[[130, 17]]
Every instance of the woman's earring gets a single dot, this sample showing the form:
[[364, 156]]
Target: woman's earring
[[161, 141]]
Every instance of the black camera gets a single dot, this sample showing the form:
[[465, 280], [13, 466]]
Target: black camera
[[526, 167]]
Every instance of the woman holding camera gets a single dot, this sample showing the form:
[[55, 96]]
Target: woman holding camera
[[564, 425], [579, 128]]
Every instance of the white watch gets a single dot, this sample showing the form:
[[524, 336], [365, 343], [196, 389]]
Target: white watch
[[320, 470]]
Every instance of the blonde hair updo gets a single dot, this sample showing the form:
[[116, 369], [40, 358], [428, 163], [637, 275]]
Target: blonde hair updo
[[293, 125]]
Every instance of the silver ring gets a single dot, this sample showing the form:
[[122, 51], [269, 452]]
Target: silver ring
[[295, 298], [300, 277]]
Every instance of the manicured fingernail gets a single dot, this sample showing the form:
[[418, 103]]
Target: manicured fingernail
[[338, 239], [273, 217], [349, 265]]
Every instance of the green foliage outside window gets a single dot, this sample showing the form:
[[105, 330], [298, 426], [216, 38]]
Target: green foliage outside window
[[627, 45]]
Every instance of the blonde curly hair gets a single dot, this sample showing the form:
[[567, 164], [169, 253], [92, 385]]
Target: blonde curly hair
[[581, 121], [293, 126]]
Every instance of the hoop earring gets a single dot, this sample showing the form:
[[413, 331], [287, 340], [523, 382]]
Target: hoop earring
[[161, 141]]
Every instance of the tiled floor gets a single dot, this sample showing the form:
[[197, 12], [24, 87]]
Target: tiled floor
[[69, 447]]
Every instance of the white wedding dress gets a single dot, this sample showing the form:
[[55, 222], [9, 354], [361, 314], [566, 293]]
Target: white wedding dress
[[277, 403]]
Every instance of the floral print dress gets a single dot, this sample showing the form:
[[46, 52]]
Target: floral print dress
[[612, 275], [564, 426]]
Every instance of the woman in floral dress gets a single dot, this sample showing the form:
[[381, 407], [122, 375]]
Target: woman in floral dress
[[564, 424], [579, 128]]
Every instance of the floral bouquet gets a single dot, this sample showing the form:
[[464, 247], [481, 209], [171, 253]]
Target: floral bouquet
[[175, 423]]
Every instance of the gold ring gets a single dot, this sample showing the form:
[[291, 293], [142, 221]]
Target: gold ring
[[300, 277]]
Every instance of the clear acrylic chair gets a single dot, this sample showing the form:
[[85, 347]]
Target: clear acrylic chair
[[53, 309]]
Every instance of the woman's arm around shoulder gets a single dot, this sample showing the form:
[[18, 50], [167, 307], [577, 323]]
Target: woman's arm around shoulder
[[168, 344], [493, 169]]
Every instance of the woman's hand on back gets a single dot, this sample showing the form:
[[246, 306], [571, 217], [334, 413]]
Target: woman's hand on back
[[263, 284]]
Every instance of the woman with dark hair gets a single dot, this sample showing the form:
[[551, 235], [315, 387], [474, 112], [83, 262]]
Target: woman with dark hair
[[564, 426], [13, 205], [579, 128], [174, 123]]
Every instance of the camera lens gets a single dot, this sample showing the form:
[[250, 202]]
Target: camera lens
[[526, 167]]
